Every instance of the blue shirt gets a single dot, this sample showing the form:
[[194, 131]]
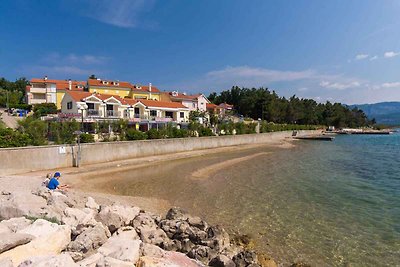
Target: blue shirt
[[53, 183]]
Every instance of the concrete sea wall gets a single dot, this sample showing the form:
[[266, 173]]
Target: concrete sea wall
[[25, 159]]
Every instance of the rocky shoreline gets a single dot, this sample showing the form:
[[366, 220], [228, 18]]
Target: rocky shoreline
[[48, 228]]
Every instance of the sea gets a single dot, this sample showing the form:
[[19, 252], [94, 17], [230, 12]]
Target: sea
[[321, 203]]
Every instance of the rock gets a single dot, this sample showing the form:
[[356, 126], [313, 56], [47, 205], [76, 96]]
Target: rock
[[202, 253], [245, 258], [218, 238], [74, 217], [176, 213], [111, 262], [7, 262], [222, 261], [92, 260], [14, 224], [151, 250], [20, 204], [12, 240], [116, 216], [62, 260], [197, 222], [89, 240], [123, 246], [153, 236], [144, 220], [50, 238], [171, 259], [91, 204]]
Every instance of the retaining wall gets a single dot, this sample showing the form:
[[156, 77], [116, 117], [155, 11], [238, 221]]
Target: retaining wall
[[25, 159]]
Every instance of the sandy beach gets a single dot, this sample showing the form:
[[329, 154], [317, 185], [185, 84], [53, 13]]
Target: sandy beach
[[86, 179]]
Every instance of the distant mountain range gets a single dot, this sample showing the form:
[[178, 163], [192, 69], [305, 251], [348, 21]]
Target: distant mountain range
[[384, 113]]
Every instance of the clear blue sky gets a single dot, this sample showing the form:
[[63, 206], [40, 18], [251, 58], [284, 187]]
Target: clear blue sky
[[347, 51]]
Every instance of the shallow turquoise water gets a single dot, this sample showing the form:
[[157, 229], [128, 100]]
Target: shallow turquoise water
[[325, 203]]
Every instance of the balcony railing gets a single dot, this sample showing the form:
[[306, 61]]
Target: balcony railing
[[112, 113], [93, 113]]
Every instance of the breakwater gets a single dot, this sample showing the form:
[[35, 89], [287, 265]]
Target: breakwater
[[26, 159]]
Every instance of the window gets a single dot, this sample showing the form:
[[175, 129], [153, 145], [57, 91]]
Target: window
[[193, 105], [153, 113], [182, 115], [90, 106], [69, 105], [169, 114]]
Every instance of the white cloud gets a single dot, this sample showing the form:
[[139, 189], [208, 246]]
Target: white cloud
[[57, 58], [120, 13], [391, 85], [373, 58], [361, 56], [339, 86], [390, 54]]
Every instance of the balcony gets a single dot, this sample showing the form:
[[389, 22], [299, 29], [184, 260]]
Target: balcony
[[93, 113], [112, 113]]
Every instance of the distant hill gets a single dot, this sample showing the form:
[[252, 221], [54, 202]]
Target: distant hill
[[384, 112]]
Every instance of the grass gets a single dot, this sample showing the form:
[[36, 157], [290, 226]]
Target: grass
[[50, 219]]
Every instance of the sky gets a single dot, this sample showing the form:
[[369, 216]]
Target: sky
[[331, 50]]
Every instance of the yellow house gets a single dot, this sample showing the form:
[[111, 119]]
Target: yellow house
[[123, 89]]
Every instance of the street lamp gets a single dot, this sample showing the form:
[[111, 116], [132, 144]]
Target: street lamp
[[82, 108]]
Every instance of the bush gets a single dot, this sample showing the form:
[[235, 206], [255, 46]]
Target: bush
[[36, 129], [44, 109], [13, 138], [132, 134], [63, 132], [86, 138], [156, 134]]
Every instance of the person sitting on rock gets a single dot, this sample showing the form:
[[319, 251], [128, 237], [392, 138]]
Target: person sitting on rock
[[55, 184]]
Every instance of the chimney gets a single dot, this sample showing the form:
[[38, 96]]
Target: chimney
[[45, 78], [70, 84], [150, 90]]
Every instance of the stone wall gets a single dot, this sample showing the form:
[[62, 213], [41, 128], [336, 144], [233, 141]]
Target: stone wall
[[22, 160]]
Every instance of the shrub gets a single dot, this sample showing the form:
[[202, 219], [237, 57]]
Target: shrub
[[13, 138], [86, 138], [44, 109], [132, 134], [156, 134], [36, 129]]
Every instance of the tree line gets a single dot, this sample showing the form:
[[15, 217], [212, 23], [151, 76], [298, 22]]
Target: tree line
[[12, 93], [266, 105]]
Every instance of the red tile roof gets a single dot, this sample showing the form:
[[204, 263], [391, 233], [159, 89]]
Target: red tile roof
[[161, 104], [145, 88], [211, 105], [113, 84], [183, 96], [61, 84], [78, 96]]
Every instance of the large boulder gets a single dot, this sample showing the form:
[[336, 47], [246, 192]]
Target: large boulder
[[245, 258], [20, 204], [218, 238], [50, 238], [116, 216], [12, 240], [151, 250], [202, 253], [91, 261], [62, 260], [123, 246], [222, 261], [176, 213], [91, 204], [74, 217], [14, 224], [170, 259], [88, 241], [153, 236]]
